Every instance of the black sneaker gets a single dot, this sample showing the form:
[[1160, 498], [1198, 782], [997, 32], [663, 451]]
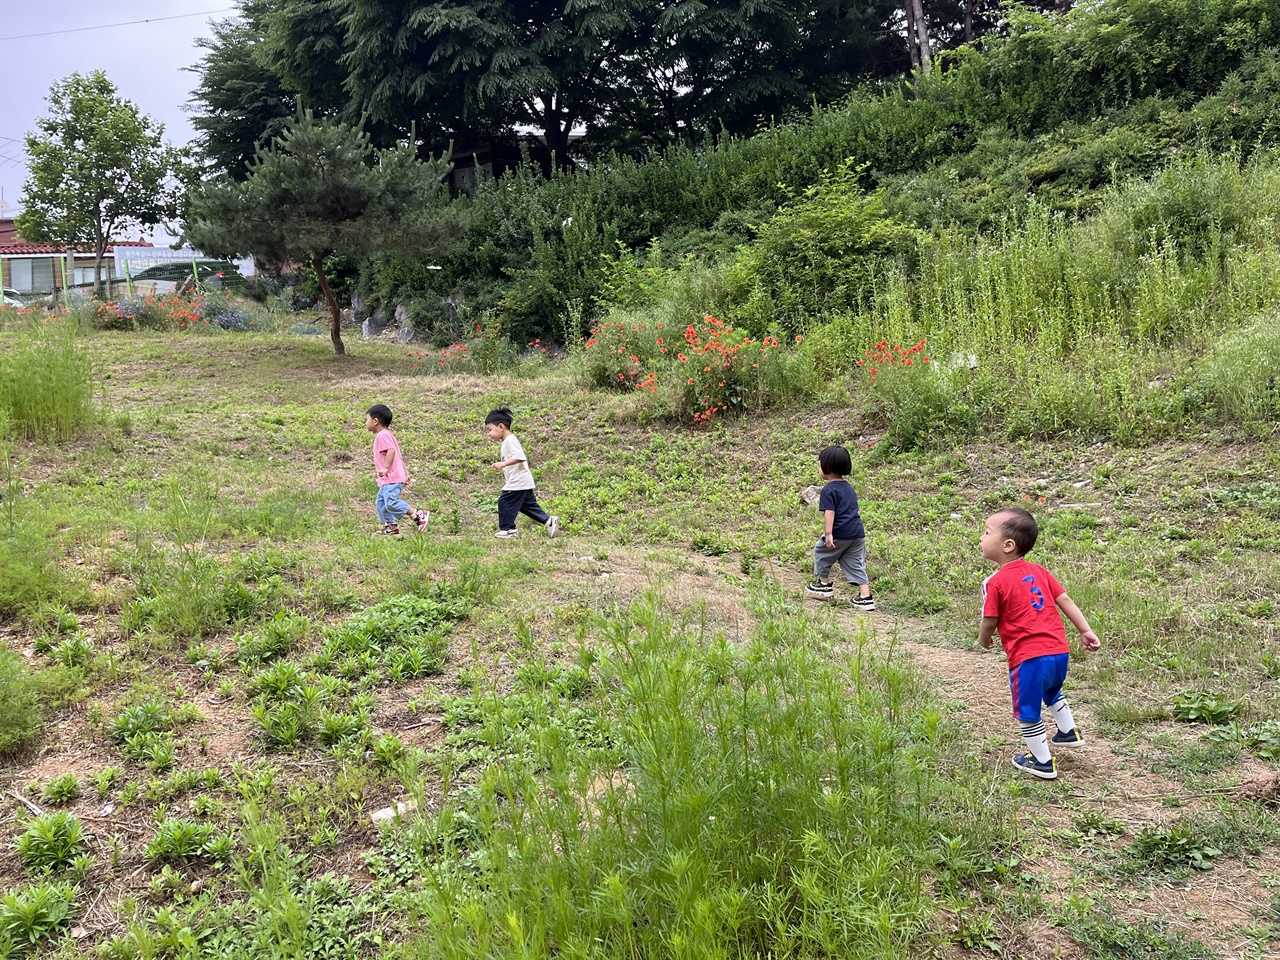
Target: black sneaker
[[863, 603], [1026, 763], [1071, 738], [819, 590]]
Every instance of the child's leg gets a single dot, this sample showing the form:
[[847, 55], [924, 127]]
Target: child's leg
[[395, 507], [509, 503], [1055, 701], [1025, 686], [532, 509], [853, 561], [824, 557], [380, 505]]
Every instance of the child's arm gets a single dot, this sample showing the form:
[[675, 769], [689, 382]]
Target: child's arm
[[383, 467], [831, 525], [507, 463], [1087, 636], [987, 631]]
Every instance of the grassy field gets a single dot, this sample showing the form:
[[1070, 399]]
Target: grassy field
[[636, 739]]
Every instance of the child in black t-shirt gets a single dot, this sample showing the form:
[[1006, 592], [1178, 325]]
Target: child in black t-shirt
[[844, 540]]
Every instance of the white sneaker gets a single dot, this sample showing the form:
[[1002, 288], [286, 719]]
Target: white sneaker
[[507, 534], [553, 526]]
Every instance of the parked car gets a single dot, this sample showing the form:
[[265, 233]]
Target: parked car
[[12, 298]]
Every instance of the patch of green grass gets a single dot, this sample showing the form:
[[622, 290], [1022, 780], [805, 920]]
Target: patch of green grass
[[693, 773]]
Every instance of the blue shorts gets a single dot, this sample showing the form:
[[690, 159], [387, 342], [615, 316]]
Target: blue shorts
[[1037, 680]]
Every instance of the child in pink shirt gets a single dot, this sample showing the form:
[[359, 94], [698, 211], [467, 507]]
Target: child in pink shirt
[[391, 474]]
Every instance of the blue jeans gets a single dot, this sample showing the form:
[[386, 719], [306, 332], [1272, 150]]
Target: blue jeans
[[391, 509]]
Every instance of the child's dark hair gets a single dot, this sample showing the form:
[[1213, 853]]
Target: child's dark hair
[[1020, 527], [502, 415], [380, 412], [835, 461]]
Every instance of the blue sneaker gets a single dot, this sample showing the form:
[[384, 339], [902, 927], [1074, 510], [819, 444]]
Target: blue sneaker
[[1071, 738], [1026, 763]]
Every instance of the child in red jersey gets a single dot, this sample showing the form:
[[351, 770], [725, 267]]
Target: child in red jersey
[[1020, 601]]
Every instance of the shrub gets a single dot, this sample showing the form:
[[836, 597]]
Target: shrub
[[52, 840], [819, 255], [48, 385], [61, 790], [706, 370], [20, 712], [486, 350]]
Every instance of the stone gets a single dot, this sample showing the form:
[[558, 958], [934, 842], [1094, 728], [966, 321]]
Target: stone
[[357, 307], [374, 325], [405, 333], [810, 496]]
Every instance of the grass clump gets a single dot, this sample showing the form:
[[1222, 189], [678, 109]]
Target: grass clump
[[48, 386], [751, 798], [1242, 372], [61, 790]]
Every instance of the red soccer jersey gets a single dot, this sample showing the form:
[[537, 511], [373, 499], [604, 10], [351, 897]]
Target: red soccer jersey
[[1022, 597]]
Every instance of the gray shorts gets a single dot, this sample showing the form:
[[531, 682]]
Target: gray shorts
[[851, 555]]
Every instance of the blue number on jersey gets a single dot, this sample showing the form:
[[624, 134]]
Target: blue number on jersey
[[1037, 595]]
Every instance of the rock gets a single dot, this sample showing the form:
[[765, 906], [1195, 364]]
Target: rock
[[390, 813], [373, 326], [107, 810], [810, 496], [357, 307], [405, 333]]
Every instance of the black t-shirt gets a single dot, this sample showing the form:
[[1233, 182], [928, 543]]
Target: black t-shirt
[[839, 495]]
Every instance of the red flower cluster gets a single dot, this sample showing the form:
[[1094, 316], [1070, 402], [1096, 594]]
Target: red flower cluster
[[884, 355]]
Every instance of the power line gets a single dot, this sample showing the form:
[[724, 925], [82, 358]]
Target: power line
[[127, 23]]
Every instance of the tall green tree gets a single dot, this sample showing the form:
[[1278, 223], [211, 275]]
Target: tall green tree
[[241, 100], [321, 189], [97, 167]]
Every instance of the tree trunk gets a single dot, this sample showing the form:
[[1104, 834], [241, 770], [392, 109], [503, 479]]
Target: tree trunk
[[922, 31], [912, 47], [335, 332], [968, 21]]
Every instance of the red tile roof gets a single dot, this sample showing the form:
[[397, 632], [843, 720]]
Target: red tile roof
[[21, 248]]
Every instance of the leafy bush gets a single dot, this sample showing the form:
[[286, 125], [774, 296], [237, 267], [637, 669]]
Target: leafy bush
[[485, 350], [52, 840], [707, 370], [61, 790], [1201, 706], [49, 388], [20, 712], [917, 401], [182, 841], [819, 255], [31, 915], [143, 718]]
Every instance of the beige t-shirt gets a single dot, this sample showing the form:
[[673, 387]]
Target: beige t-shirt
[[519, 476]]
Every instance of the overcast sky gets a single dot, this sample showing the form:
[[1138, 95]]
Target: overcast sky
[[146, 62]]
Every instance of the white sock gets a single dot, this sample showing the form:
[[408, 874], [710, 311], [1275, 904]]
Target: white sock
[[1037, 738], [1062, 715]]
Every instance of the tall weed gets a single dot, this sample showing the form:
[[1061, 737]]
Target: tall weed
[[49, 389], [749, 798]]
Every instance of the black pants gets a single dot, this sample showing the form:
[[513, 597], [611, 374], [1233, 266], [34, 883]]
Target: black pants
[[513, 502]]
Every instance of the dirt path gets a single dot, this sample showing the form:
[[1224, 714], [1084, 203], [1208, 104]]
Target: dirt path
[[1105, 777]]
